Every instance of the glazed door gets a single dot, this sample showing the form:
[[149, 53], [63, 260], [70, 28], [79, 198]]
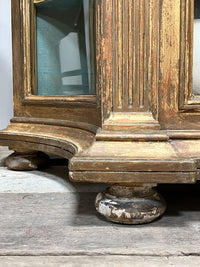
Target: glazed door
[[64, 37], [54, 54], [179, 86]]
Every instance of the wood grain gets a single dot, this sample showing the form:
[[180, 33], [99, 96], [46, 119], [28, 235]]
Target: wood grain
[[27, 105], [106, 261], [130, 84], [178, 107], [136, 129], [55, 224]]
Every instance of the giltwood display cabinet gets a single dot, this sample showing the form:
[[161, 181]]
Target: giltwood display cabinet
[[113, 86]]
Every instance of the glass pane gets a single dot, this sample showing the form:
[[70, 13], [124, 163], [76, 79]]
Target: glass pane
[[65, 60], [196, 49]]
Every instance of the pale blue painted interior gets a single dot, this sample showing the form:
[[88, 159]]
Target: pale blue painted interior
[[63, 48]]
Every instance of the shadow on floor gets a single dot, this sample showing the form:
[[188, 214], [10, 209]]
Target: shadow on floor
[[183, 206], [182, 200], [183, 203]]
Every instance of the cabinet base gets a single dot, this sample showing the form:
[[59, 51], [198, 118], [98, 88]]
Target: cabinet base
[[130, 204]]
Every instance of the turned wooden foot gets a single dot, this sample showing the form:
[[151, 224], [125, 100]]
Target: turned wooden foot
[[26, 160], [130, 204]]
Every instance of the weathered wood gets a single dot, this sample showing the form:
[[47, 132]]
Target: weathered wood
[[128, 84], [39, 137], [71, 108], [134, 162], [106, 261], [128, 165], [63, 220], [131, 136], [142, 126], [66, 224], [130, 204], [127, 71], [133, 177], [26, 160], [178, 107]]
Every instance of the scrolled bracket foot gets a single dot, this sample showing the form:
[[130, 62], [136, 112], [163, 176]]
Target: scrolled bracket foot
[[130, 204], [26, 160]]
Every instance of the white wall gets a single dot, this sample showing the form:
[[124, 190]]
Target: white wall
[[6, 101]]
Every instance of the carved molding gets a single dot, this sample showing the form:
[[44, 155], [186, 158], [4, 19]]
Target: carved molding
[[128, 77], [130, 55]]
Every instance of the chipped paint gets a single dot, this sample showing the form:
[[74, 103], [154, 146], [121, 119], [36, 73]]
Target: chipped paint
[[135, 209]]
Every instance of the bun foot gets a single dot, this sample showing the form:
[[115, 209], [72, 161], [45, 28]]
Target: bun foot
[[26, 161], [130, 204]]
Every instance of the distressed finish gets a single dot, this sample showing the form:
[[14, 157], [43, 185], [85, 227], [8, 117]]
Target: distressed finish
[[26, 160], [142, 127], [128, 66], [130, 205]]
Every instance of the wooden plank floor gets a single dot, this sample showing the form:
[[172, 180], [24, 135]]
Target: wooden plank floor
[[47, 221], [108, 261]]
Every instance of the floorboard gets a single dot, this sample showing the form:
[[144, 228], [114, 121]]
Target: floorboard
[[100, 261], [45, 218]]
